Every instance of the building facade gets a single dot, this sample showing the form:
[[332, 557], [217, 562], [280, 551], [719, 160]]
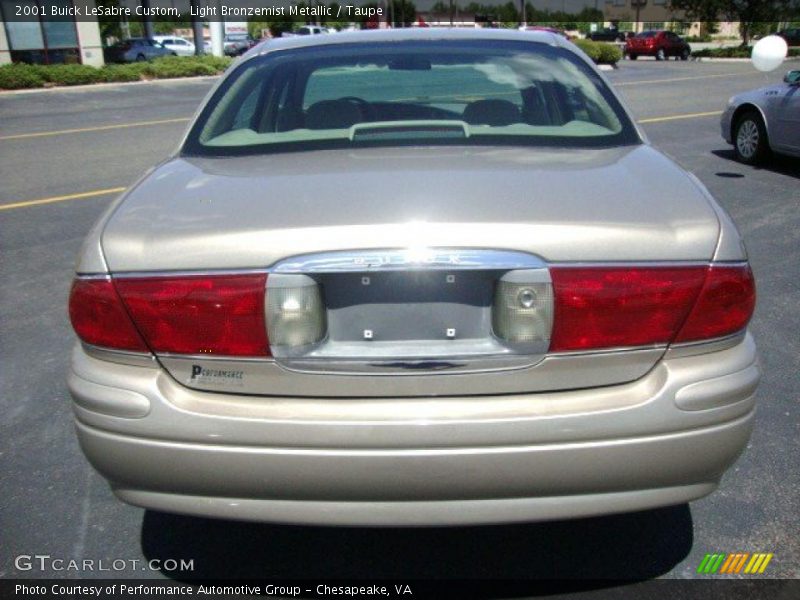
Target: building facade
[[27, 37]]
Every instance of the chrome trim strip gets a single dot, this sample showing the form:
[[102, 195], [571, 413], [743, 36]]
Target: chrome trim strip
[[184, 273], [409, 259], [422, 367], [217, 357], [613, 350], [125, 357], [705, 346], [651, 263]]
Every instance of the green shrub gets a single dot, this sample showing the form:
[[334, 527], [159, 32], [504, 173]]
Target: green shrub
[[129, 72], [592, 49], [20, 76], [734, 52], [610, 54], [600, 52], [180, 66], [71, 74], [220, 63]]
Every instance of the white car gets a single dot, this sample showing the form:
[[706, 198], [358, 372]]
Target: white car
[[311, 30], [178, 45]]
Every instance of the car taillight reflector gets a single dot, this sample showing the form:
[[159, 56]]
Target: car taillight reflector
[[725, 305], [215, 315], [99, 317], [607, 307]]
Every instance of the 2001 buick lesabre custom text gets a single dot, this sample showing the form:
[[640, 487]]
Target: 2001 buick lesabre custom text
[[413, 277]]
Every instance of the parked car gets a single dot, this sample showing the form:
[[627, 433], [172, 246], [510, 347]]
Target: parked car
[[560, 32], [349, 300], [136, 50], [236, 44], [607, 35], [764, 120], [792, 36], [661, 44], [178, 45], [308, 30]]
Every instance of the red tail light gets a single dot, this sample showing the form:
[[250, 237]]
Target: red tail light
[[725, 305], [219, 315], [607, 307], [99, 317]]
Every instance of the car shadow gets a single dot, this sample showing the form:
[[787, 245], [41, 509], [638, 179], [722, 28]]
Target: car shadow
[[777, 163], [573, 555]]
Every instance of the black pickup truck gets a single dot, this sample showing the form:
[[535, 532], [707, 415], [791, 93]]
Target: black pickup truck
[[607, 35]]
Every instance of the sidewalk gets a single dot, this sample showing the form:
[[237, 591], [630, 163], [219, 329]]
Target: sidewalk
[[107, 86]]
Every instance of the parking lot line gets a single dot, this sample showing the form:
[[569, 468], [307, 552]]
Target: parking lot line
[[647, 81], [713, 113], [108, 191], [20, 136], [52, 199]]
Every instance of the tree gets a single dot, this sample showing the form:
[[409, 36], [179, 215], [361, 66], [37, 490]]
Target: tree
[[749, 13], [404, 13]]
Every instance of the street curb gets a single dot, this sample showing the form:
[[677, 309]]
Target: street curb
[[94, 86], [712, 59]]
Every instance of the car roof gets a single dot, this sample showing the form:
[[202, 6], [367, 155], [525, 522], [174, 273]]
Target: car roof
[[409, 34]]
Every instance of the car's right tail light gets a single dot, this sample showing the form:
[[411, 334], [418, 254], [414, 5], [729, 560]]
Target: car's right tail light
[[617, 307], [725, 305]]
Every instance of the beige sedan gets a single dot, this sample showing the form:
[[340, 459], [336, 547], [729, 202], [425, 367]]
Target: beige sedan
[[413, 277]]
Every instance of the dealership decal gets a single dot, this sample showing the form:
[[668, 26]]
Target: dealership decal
[[739, 562]]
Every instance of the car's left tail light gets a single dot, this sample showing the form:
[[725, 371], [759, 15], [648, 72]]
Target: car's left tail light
[[221, 315], [99, 317]]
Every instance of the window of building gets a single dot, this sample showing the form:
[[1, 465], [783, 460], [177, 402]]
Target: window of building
[[36, 40]]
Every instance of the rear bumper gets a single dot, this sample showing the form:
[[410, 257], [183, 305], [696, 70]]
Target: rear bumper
[[664, 439], [642, 51], [726, 123]]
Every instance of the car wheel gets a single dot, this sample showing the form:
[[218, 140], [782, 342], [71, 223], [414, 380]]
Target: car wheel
[[140, 58], [685, 54], [750, 138], [661, 55], [633, 56]]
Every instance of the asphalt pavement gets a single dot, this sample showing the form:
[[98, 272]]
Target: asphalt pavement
[[64, 154]]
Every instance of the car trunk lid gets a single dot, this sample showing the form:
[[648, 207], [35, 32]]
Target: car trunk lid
[[423, 325]]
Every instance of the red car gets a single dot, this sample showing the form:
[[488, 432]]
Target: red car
[[660, 44]]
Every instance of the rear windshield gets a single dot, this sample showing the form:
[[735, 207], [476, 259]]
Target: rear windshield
[[431, 92]]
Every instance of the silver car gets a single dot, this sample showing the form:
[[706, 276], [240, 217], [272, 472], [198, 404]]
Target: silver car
[[413, 277], [764, 120]]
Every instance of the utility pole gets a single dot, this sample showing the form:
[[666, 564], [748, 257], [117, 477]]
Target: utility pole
[[197, 31], [217, 34], [147, 22]]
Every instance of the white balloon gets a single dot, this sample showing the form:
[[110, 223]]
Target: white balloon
[[769, 52]]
